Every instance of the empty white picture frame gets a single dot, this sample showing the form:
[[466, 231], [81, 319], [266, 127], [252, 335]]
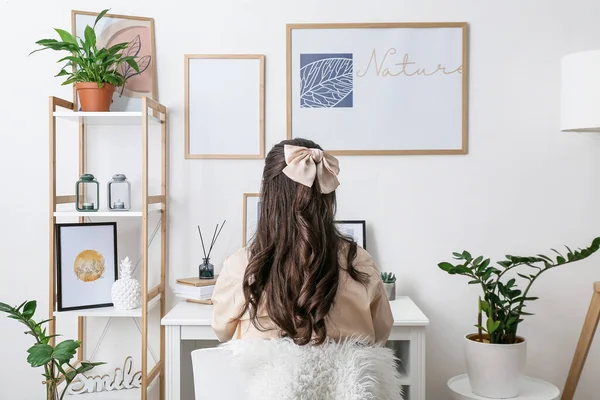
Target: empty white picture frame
[[224, 106], [251, 216], [379, 88]]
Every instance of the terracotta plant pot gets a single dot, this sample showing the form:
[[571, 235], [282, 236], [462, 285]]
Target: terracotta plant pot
[[93, 98], [495, 370]]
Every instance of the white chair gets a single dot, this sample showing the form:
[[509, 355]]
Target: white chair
[[215, 376]]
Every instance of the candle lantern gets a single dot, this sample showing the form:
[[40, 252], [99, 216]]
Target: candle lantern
[[119, 193], [87, 193]]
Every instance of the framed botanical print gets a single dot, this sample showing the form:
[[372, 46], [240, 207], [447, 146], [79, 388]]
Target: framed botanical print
[[251, 216], [379, 88], [139, 33], [86, 264], [357, 230]]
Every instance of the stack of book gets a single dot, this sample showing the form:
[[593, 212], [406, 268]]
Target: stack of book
[[195, 290]]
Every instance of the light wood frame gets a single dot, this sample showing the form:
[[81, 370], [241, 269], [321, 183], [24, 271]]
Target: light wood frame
[[188, 154], [583, 345], [386, 25], [147, 294], [74, 13], [244, 224]]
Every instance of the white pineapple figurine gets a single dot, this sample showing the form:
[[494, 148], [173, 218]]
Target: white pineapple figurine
[[126, 291]]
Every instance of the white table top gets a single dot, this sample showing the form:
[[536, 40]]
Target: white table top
[[405, 311], [533, 389]]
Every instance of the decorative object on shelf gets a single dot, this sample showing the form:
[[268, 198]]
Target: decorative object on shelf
[[56, 359], [389, 283], [497, 371], [138, 33], [206, 270], [96, 72], [209, 106], [353, 78], [87, 193], [119, 193], [251, 215], [356, 230], [126, 292], [86, 258], [121, 379]]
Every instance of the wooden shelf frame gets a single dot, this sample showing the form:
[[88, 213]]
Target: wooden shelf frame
[[158, 111]]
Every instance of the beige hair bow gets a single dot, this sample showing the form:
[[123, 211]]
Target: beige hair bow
[[304, 164]]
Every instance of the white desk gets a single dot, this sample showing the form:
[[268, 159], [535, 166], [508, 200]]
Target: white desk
[[188, 321]]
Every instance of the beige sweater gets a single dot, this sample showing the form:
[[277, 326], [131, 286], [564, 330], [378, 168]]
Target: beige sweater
[[358, 311]]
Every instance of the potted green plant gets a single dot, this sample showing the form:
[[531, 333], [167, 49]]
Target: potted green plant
[[389, 283], [95, 72], [56, 360], [495, 356]]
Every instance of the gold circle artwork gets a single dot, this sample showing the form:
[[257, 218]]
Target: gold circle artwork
[[89, 265]]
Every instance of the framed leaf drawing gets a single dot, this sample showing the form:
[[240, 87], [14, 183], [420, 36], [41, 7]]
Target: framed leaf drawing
[[379, 88], [139, 33], [251, 216], [225, 106], [356, 230]]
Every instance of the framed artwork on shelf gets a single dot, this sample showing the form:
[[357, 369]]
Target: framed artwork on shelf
[[251, 216], [86, 264], [139, 33], [224, 106], [379, 88], [357, 230]]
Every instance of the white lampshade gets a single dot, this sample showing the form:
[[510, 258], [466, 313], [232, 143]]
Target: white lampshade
[[580, 92]]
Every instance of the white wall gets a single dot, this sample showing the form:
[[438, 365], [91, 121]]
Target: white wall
[[524, 187]]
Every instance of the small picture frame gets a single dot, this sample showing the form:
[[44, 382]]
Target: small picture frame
[[86, 264], [224, 106], [356, 230], [251, 216]]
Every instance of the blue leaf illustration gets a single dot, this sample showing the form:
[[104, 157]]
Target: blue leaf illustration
[[327, 82]]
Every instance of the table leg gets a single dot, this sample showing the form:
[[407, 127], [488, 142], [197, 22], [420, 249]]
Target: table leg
[[173, 362], [417, 355]]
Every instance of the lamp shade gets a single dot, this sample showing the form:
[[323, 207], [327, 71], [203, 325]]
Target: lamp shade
[[580, 92]]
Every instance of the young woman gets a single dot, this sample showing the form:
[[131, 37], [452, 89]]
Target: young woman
[[300, 278]]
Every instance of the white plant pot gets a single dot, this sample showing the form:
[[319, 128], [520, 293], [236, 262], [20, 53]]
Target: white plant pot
[[390, 290], [495, 371]]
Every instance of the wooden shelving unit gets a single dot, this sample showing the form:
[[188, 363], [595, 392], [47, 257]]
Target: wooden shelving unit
[[152, 113]]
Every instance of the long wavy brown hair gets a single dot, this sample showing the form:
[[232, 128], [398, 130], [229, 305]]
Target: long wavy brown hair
[[294, 256]]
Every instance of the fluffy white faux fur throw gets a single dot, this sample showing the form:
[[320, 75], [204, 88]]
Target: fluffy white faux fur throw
[[278, 369]]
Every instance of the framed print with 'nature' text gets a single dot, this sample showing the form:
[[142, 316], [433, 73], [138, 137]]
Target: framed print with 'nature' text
[[379, 88]]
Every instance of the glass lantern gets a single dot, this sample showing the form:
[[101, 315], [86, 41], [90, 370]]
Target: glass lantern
[[119, 193], [87, 193]]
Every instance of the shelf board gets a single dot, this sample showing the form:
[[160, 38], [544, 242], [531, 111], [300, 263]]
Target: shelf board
[[107, 118], [110, 311], [153, 208]]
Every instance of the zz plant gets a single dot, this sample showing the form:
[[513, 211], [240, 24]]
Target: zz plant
[[92, 64], [503, 302], [388, 277], [56, 360]]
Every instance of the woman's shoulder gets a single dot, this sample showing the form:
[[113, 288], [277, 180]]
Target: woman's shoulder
[[364, 262], [235, 264]]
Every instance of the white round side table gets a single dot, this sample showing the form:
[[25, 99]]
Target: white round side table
[[533, 389]]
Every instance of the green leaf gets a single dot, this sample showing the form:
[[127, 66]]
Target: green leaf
[[90, 37], [524, 276], [62, 73], [131, 61], [65, 36], [461, 269], [560, 260], [531, 298], [511, 320], [446, 266], [65, 350], [474, 282], [29, 309], [492, 325], [467, 256], [525, 313], [99, 17], [477, 261], [39, 354], [484, 306], [88, 366], [457, 256], [510, 283]]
